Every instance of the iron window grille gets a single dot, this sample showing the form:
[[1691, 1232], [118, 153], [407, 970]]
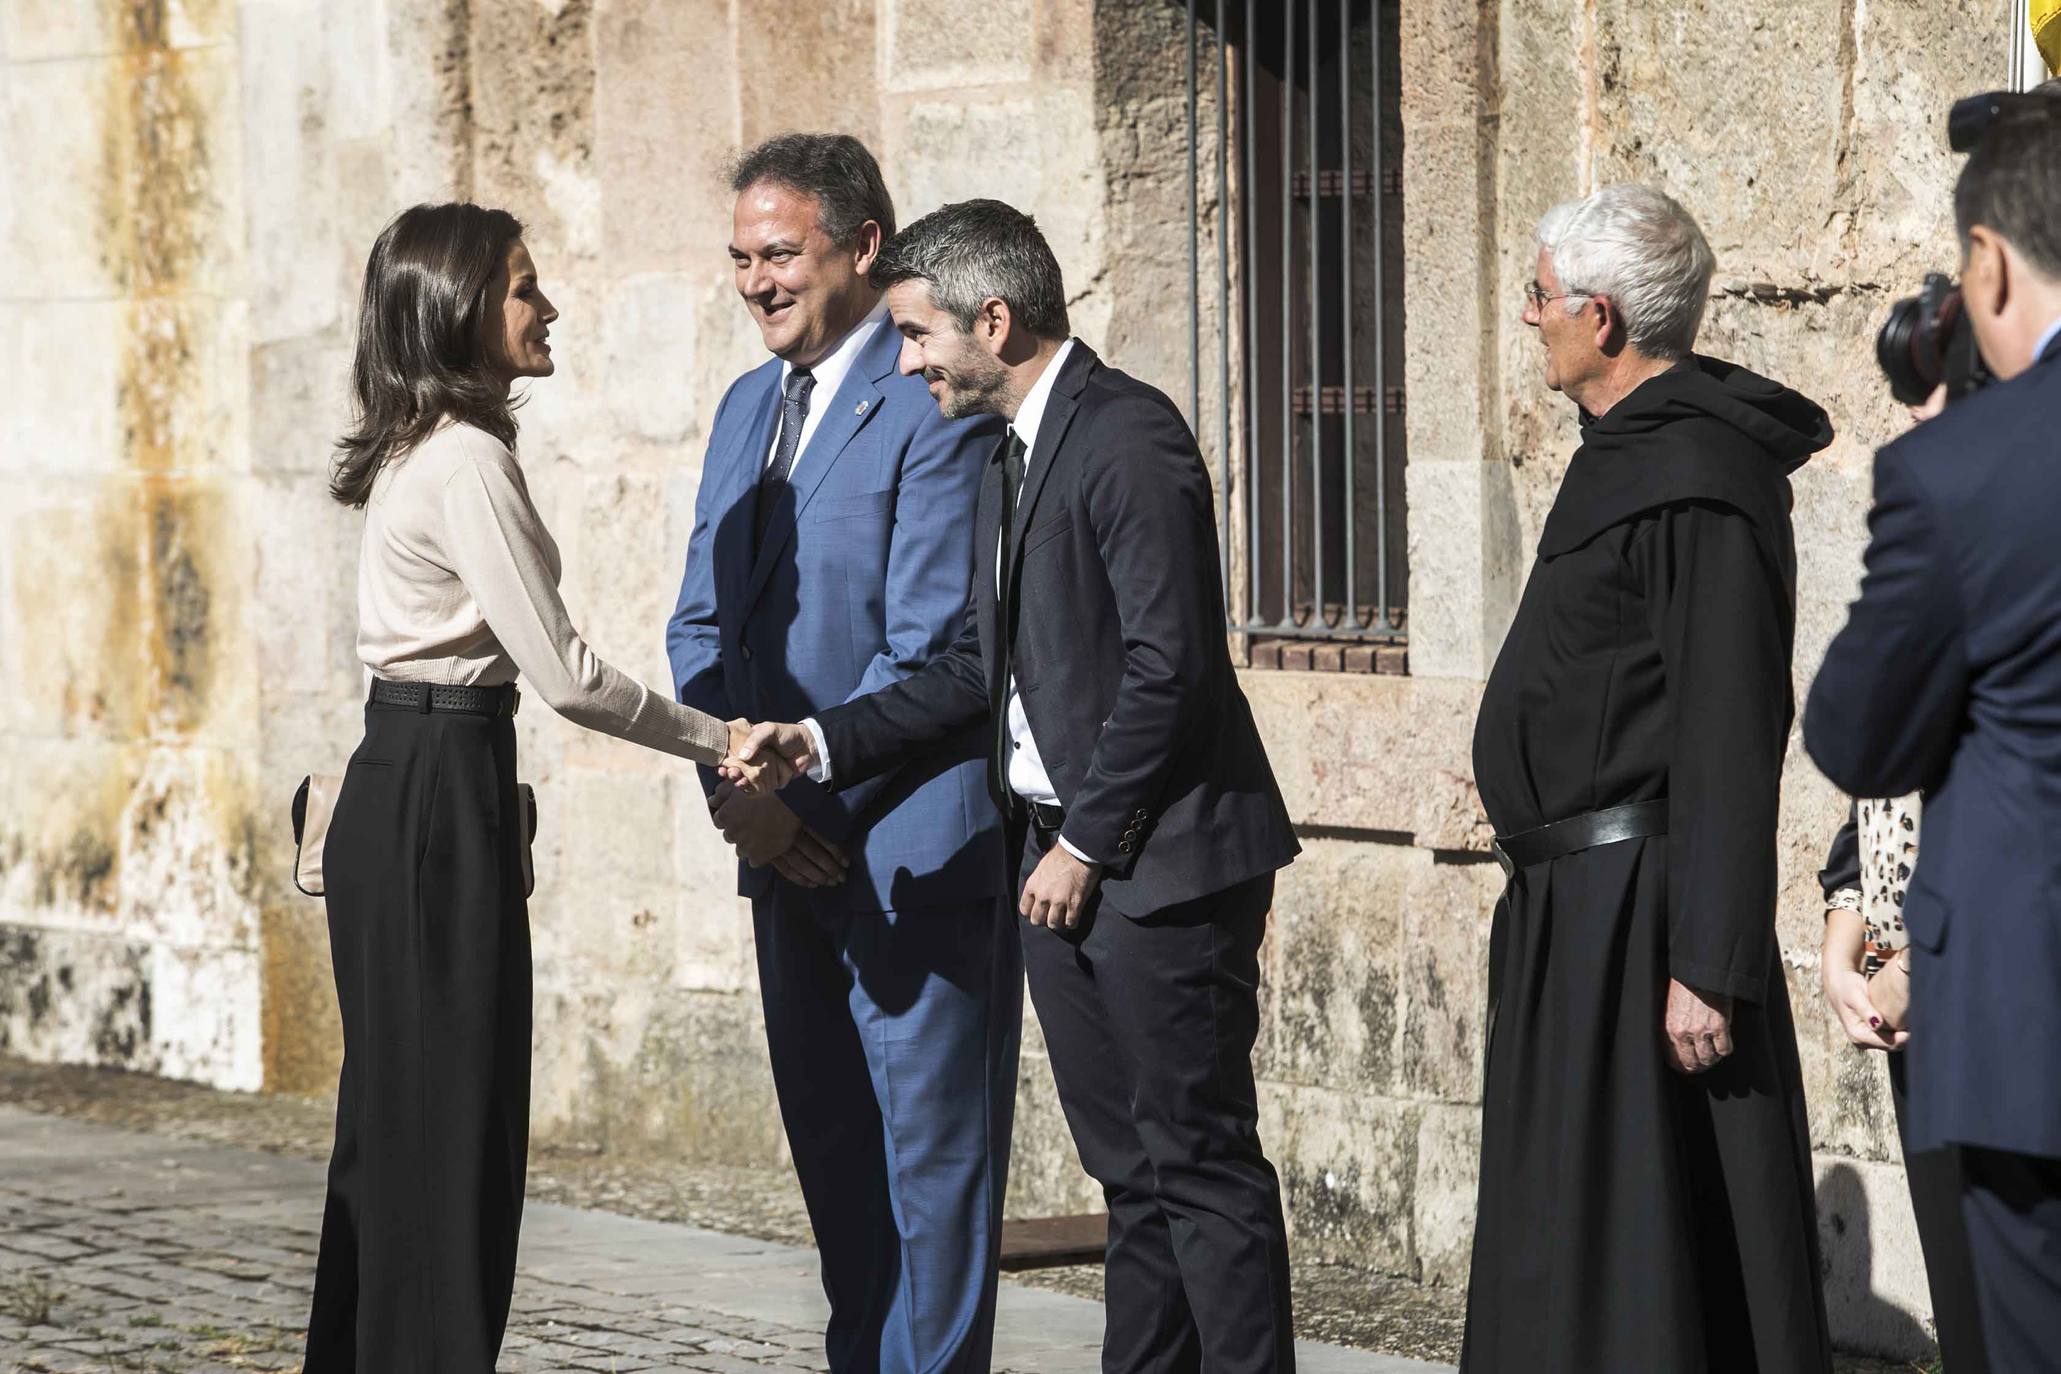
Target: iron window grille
[[1306, 334]]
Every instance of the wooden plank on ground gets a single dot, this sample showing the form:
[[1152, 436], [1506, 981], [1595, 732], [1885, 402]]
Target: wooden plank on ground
[[1047, 1242]]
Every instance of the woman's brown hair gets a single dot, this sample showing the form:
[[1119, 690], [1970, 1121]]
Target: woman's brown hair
[[421, 358]]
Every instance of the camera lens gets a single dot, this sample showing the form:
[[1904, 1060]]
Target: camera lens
[[1909, 357]]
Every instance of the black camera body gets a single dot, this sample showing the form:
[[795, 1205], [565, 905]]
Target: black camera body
[[1927, 342]]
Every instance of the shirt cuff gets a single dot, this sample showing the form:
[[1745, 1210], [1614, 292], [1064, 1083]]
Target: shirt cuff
[[1070, 847], [820, 770]]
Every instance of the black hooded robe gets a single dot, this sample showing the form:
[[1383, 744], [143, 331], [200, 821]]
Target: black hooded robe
[[1633, 1220]]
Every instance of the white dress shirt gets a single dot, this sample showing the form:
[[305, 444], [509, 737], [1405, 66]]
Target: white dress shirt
[[2053, 331], [1028, 777], [829, 375]]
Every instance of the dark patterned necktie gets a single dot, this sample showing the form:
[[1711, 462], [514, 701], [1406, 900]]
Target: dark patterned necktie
[[794, 413], [1013, 462]]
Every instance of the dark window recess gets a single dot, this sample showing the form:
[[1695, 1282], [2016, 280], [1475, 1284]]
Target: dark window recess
[[1303, 349]]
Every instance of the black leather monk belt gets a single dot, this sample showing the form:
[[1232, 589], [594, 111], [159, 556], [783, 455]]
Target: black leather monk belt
[[1613, 825], [436, 696]]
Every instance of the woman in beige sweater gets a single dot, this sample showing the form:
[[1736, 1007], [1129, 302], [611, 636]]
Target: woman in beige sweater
[[428, 920]]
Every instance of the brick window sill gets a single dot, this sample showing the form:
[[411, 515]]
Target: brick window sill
[[1320, 656]]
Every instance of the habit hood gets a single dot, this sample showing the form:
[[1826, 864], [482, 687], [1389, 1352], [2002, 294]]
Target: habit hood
[[1703, 430]]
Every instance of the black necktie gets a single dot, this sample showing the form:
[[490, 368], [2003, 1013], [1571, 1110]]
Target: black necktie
[[1005, 620], [794, 413]]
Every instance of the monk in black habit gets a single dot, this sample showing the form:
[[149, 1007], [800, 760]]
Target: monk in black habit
[[1646, 1197]]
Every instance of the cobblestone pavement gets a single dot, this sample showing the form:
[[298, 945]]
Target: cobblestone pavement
[[125, 1251], [1334, 1303]]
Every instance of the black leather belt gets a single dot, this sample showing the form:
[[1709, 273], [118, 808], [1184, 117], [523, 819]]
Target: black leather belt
[[1047, 817], [1612, 825], [436, 696]]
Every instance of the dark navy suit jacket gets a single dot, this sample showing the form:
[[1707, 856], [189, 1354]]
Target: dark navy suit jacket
[[1116, 622], [861, 579], [1947, 677]]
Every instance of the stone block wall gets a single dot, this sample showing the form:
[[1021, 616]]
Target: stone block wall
[[187, 192], [127, 831], [1809, 141]]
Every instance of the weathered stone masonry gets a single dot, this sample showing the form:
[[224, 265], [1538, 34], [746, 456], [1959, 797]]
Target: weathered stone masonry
[[187, 191]]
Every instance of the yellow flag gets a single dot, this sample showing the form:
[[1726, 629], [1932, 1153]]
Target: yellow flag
[[2046, 31]]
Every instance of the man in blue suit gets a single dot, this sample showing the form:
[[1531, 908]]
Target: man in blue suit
[[832, 555], [1947, 677]]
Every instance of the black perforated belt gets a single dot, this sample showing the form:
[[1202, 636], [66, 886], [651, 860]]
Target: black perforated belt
[[1612, 825], [437, 696]]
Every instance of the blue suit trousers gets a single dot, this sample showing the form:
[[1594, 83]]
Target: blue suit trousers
[[894, 1040]]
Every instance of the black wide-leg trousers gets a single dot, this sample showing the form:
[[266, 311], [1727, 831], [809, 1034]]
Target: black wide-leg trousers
[[1149, 1023], [429, 935]]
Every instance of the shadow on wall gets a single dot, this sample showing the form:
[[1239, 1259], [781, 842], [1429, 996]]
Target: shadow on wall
[[1863, 1319]]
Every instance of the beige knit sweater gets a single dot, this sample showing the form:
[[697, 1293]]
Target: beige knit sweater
[[458, 583]]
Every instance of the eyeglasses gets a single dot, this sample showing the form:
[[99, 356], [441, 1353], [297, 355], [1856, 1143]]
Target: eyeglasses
[[1539, 298]]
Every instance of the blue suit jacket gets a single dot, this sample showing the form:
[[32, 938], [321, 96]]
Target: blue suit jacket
[[861, 579], [1947, 677]]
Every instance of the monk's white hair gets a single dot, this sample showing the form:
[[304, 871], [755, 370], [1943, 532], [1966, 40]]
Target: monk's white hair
[[1636, 245]]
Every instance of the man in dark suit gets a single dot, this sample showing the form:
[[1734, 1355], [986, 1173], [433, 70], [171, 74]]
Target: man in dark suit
[[1144, 820], [1947, 677]]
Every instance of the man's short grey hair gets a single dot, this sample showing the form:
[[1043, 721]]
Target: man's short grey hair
[[1636, 245], [979, 250]]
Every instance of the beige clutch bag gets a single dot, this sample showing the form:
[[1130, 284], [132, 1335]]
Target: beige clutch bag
[[315, 803]]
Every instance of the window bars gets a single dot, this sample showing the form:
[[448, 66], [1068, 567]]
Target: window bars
[[1307, 331]]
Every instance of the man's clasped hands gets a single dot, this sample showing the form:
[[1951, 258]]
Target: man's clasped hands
[[767, 833], [747, 809]]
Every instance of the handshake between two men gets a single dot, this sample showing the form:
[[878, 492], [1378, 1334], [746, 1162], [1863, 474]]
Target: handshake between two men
[[997, 619], [747, 810]]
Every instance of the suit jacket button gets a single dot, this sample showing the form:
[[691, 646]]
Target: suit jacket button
[[1125, 847], [1141, 814]]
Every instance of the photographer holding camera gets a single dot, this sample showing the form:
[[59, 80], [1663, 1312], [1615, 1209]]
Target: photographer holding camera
[[1947, 679]]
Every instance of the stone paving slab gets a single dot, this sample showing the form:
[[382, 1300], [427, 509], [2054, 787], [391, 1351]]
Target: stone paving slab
[[125, 1251]]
